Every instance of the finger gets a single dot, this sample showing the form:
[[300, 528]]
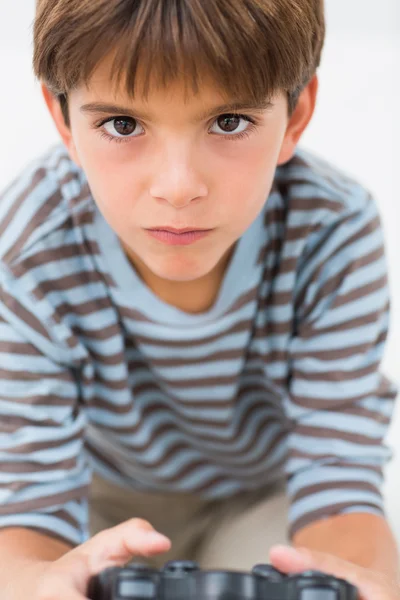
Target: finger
[[112, 548], [296, 560], [370, 585], [288, 560], [116, 546]]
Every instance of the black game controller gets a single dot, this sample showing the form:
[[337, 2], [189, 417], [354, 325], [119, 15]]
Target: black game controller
[[184, 580]]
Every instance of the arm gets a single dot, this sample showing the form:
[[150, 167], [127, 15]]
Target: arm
[[360, 538], [27, 544], [339, 404], [43, 472], [22, 550]]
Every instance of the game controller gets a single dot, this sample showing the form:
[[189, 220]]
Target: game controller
[[184, 580]]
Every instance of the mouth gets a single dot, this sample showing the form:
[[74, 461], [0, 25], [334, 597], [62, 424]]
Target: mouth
[[178, 237], [179, 231]]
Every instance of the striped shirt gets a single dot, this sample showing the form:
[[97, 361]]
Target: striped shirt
[[279, 378]]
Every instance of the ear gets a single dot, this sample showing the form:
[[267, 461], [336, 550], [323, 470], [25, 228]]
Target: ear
[[299, 120], [54, 107]]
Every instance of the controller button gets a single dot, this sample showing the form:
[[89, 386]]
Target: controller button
[[313, 574], [268, 572], [136, 588], [138, 568], [180, 566], [318, 593]]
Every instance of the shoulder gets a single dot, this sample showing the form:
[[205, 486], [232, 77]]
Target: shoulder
[[315, 200], [41, 206], [45, 253], [311, 185], [332, 233]]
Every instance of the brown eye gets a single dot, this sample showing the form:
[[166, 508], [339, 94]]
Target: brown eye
[[121, 128], [233, 126], [124, 126], [229, 123]]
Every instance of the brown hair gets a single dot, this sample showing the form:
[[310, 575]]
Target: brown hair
[[251, 48]]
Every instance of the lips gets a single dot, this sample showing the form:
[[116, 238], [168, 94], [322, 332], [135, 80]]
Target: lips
[[178, 231], [183, 238]]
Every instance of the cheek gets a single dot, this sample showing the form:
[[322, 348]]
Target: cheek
[[115, 197], [261, 165], [114, 184], [111, 170], [250, 178], [111, 189]]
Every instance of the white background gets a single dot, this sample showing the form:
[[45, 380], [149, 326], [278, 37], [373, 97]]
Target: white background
[[356, 126]]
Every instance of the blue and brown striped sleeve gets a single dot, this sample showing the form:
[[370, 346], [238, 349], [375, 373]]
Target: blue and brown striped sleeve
[[43, 474], [339, 403]]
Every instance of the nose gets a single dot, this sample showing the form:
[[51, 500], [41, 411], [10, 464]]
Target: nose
[[176, 180]]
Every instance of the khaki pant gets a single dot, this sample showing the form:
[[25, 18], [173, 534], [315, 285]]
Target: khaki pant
[[234, 533]]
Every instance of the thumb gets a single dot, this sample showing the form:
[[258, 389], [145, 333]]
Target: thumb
[[112, 548], [296, 560]]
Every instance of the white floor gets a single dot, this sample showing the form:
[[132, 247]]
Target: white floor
[[356, 125]]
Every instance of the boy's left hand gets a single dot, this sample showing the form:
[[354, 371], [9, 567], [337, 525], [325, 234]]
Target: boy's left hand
[[371, 585]]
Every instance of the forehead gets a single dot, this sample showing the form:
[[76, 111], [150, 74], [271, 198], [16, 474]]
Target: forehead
[[177, 98], [103, 84]]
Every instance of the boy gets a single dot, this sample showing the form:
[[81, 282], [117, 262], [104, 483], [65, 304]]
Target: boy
[[192, 308]]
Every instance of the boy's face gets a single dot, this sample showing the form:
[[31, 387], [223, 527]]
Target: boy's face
[[166, 164]]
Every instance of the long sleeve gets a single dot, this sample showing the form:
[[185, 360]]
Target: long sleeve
[[43, 472], [339, 403]]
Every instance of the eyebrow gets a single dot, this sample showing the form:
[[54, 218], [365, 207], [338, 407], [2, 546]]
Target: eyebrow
[[102, 108]]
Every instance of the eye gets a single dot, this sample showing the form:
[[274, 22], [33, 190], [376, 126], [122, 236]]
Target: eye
[[231, 124], [122, 127]]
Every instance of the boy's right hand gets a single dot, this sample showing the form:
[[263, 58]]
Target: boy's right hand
[[68, 577]]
